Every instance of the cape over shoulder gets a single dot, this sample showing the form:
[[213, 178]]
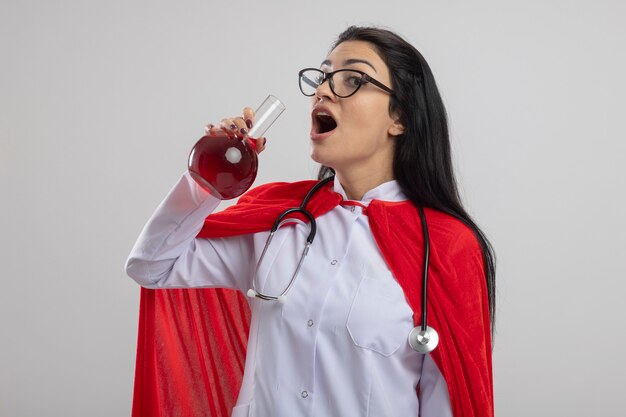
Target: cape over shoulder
[[278, 191], [452, 242], [257, 209]]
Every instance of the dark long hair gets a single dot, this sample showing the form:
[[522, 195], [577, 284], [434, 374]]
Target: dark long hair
[[422, 162]]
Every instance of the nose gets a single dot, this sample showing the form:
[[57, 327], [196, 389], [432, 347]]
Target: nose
[[323, 91]]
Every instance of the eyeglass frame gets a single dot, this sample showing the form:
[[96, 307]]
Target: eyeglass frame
[[329, 76]]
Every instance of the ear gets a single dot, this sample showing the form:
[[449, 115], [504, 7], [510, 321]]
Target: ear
[[396, 128]]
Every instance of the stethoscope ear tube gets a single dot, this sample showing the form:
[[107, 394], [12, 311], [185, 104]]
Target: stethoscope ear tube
[[312, 224], [283, 219]]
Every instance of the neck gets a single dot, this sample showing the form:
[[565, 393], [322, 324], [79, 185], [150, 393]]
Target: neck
[[356, 184]]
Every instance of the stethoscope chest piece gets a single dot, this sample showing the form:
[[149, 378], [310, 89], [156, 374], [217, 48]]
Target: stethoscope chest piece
[[423, 341]]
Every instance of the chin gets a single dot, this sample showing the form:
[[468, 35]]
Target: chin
[[318, 156], [315, 157], [326, 164]]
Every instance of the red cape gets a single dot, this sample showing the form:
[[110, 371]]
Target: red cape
[[191, 346]]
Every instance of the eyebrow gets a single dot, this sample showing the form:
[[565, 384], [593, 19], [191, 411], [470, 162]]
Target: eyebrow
[[351, 61]]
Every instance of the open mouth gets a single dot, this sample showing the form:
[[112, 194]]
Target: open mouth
[[324, 122]]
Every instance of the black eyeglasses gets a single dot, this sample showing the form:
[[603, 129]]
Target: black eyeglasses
[[343, 82]]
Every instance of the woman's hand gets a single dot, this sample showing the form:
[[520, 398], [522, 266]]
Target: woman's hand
[[237, 126]]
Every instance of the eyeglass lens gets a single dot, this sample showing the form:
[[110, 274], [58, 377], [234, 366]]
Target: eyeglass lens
[[342, 83]]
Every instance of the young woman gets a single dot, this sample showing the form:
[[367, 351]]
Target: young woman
[[337, 343]]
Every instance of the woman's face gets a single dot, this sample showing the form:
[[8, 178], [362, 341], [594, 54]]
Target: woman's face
[[364, 136]]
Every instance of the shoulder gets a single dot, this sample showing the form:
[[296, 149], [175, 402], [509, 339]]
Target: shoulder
[[256, 210], [278, 191], [456, 250], [451, 234]]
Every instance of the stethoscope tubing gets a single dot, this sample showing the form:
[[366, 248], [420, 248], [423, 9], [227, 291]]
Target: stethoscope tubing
[[425, 269], [309, 240], [422, 339]]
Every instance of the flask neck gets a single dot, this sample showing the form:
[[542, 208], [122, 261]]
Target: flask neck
[[265, 116]]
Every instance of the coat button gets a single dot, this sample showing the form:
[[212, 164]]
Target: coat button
[[304, 394], [309, 323], [333, 262]]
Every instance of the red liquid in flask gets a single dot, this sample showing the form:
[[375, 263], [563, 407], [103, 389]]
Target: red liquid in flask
[[225, 166]]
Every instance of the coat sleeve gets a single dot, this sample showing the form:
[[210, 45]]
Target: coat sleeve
[[167, 253]]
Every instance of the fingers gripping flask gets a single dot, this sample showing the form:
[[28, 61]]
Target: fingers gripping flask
[[226, 165]]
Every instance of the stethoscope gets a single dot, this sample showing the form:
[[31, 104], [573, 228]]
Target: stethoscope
[[423, 338]]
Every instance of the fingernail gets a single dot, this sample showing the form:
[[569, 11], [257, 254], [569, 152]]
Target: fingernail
[[249, 123], [243, 131], [233, 126]]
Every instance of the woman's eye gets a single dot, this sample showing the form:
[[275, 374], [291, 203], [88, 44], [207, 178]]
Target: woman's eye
[[354, 81]]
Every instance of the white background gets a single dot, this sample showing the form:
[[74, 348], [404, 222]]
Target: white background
[[100, 103]]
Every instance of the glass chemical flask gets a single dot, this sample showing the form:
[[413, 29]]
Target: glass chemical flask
[[226, 165]]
